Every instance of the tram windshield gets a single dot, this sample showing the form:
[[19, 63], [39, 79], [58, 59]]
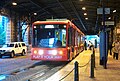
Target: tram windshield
[[49, 36]]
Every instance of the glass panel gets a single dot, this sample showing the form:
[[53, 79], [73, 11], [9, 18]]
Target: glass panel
[[70, 36], [49, 36], [3, 26], [8, 45]]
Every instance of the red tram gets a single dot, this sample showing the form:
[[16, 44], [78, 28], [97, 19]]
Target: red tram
[[55, 40]]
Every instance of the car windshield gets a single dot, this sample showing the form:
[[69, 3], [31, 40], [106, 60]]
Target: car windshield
[[8, 45]]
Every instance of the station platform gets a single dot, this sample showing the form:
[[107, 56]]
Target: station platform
[[111, 73]]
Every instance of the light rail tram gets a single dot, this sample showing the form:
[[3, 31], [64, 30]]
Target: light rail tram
[[56, 40]]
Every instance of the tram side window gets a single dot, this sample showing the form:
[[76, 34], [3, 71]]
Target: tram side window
[[73, 37], [76, 38], [79, 39], [70, 36]]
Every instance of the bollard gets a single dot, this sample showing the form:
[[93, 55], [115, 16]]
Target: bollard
[[76, 72], [92, 66], [94, 56]]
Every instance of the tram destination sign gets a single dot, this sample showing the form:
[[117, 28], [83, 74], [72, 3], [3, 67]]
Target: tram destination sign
[[109, 23]]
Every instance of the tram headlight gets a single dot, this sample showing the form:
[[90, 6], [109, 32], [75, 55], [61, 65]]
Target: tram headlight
[[68, 48], [35, 51], [60, 52], [40, 52], [54, 52]]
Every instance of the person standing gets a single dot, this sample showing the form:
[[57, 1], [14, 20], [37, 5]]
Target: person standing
[[110, 47], [95, 43], [115, 49], [85, 45], [90, 45]]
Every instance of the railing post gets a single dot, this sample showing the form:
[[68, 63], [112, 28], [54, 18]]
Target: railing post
[[76, 72], [92, 66]]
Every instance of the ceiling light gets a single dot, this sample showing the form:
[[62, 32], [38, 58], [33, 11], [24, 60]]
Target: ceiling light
[[35, 13], [86, 18], [14, 3], [114, 11], [85, 13], [109, 18], [83, 8], [81, 0]]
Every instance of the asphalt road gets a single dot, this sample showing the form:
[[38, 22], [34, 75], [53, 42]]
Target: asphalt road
[[22, 68]]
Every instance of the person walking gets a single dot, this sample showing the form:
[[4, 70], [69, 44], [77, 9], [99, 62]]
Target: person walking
[[115, 49], [85, 45], [95, 43]]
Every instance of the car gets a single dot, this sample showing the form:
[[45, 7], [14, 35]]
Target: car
[[13, 48]]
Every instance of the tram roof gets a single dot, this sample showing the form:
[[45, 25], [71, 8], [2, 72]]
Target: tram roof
[[53, 21]]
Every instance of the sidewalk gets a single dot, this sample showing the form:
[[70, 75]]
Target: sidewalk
[[110, 74]]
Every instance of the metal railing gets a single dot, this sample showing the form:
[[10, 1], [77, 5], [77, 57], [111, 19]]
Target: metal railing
[[76, 68]]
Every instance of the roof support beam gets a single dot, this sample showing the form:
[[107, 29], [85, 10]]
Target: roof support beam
[[64, 9], [76, 13], [49, 11], [35, 3]]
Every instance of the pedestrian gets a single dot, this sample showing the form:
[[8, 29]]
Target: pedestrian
[[110, 47], [85, 45], [116, 49], [90, 45], [95, 43]]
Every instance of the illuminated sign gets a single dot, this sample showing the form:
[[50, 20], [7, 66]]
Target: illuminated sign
[[118, 31], [100, 10], [46, 57]]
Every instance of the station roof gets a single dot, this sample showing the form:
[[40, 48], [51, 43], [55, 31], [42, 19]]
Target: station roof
[[86, 19]]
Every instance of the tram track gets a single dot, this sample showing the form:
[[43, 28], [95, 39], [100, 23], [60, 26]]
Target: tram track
[[22, 68], [36, 72], [51, 68]]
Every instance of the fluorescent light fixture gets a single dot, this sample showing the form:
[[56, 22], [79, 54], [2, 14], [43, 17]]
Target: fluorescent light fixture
[[49, 26], [14, 3]]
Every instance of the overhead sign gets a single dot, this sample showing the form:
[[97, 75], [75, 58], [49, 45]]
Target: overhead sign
[[100, 10], [109, 23]]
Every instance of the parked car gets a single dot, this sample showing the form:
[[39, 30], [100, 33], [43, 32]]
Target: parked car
[[13, 48]]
